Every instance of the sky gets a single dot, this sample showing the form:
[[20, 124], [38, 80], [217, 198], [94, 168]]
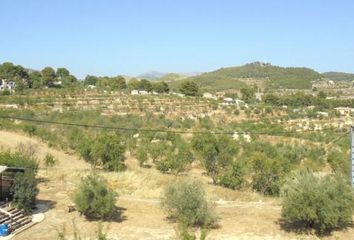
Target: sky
[[111, 37]]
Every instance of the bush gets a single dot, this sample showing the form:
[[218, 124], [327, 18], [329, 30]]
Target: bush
[[189, 88], [18, 160], [49, 160], [6, 92], [234, 177], [185, 202], [30, 129], [339, 162], [268, 174], [108, 151], [216, 153], [322, 203], [94, 198], [141, 155], [24, 190]]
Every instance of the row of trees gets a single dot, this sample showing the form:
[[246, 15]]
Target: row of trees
[[26, 78], [120, 83], [323, 203], [61, 77], [304, 100]]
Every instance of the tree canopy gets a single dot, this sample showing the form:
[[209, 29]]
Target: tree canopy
[[189, 88]]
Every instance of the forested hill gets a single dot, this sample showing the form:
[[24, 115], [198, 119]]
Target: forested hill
[[275, 77], [339, 76]]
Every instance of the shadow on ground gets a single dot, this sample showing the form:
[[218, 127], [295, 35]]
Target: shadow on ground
[[302, 228], [118, 216], [43, 206]]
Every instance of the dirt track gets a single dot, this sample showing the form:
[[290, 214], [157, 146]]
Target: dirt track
[[142, 217]]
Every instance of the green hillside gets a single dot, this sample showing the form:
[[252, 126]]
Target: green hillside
[[339, 76], [275, 77], [172, 77]]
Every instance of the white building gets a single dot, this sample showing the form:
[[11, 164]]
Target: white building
[[209, 96], [323, 114], [134, 92], [7, 85], [344, 111], [142, 92]]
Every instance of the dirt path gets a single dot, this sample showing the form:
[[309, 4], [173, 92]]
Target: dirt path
[[246, 216]]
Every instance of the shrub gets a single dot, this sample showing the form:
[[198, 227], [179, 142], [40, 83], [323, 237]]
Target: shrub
[[172, 164], [6, 92], [268, 109], [141, 155], [185, 202], [49, 160], [339, 162], [94, 198], [237, 112], [108, 151], [30, 129], [18, 160], [234, 177], [322, 203], [157, 150], [268, 174], [216, 153], [24, 190], [189, 88]]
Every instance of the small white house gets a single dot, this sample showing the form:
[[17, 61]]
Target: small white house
[[322, 114], [57, 83], [142, 92], [344, 111], [209, 96], [178, 94], [134, 92], [7, 85], [229, 100]]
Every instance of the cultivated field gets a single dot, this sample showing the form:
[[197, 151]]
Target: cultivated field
[[242, 214]]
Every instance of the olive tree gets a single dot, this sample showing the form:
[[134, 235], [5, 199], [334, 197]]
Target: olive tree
[[268, 174], [189, 88], [324, 203], [94, 198], [185, 202], [216, 152], [24, 190], [107, 151]]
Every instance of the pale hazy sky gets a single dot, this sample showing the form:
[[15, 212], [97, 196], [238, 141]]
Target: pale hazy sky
[[110, 37]]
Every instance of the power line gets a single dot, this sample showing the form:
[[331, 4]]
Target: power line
[[40, 121]]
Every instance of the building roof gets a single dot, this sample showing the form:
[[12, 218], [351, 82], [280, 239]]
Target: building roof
[[2, 169], [11, 169]]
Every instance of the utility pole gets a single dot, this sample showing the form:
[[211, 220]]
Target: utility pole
[[352, 154]]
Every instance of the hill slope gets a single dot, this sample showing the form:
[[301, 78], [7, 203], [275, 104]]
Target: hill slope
[[274, 77], [172, 77], [338, 76]]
